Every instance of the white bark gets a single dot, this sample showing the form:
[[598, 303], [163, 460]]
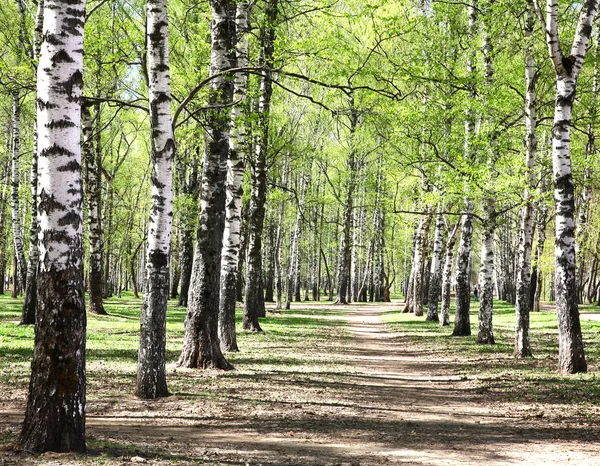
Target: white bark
[[234, 188], [151, 378], [447, 275], [485, 333], [522, 345], [435, 277], [567, 68], [55, 415], [14, 198]]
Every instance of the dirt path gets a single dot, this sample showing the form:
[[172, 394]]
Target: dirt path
[[393, 405], [435, 418]]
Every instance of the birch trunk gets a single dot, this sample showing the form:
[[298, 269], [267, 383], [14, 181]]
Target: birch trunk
[[55, 411], [345, 253], [419, 264], [571, 352], [435, 278], [234, 188], [485, 333], [462, 319], [447, 275], [201, 343], [462, 324], [542, 219], [92, 181], [522, 344], [254, 301], [30, 299], [14, 198], [151, 373]]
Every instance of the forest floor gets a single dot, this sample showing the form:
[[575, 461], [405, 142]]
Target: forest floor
[[325, 385]]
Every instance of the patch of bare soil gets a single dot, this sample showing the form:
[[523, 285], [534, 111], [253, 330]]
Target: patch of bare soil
[[391, 405]]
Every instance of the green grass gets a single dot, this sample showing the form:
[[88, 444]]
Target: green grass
[[112, 344], [494, 366]]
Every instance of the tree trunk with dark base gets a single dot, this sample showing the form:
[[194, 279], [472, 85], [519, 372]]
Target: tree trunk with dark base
[[201, 348], [151, 374], [238, 142], [55, 411], [435, 277], [93, 191], [485, 331], [447, 276], [254, 297], [462, 319], [571, 354]]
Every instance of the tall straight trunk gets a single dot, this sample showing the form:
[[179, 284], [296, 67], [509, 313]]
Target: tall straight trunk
[[55, 411], [91, 172], [30, 299], [378, 271], [462, 319], [189, 188], [270, 268], [418, 265], [186, 259], [345, 251], [462, 325], [354, 265], [279, 247], [14, 198], [3, 252], [485, 332], [435, 278], [447, 275], [345, 257], [571, 354], [108, 224], [522, 344], [408, 285], [541, 220], [151, 373], [234, 188], [254, 300], [201, 347], [293, 259]]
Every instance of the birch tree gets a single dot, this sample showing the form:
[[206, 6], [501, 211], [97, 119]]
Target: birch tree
[[462, 322], [30, 299], [571, 352], [235, 177], [151, 374], [201, 343], [91, 171], [254, 298], [435, 278], [55, 410], [522, 345]]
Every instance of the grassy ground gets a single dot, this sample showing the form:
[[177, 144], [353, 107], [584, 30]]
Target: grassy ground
[[293, 346], [292, 381], [533, 379]]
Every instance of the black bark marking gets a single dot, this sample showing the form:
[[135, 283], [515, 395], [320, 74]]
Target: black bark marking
[[55, 151], [61, 124], [61, 57], [158, 259], [74, 82], [47, 203], [72, 166]]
